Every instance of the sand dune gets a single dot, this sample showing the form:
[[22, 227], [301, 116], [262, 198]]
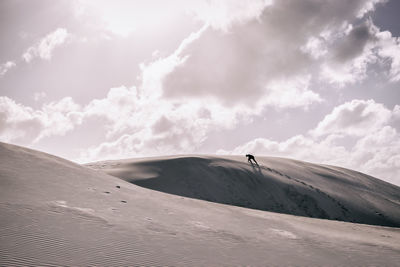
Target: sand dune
[[54, 212], [278, 185]]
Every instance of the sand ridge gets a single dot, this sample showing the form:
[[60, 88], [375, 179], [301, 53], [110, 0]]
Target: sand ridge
[[277, 184]]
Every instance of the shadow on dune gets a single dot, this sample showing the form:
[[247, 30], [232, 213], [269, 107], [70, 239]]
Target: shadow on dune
[[241, 184]]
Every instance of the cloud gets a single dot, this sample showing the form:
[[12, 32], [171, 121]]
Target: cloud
[[369, 6], [45, 47], [390, 49], [143, 124], [350, 54], [135, 123], [315, 47], [5, 67], [355, 118], [367, 127], [378, 155], [396, 116], [291, 93], [154, 73], [241, 59], [23, 125]]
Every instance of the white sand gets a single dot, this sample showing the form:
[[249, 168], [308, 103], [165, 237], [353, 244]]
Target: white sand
[[54, 212]]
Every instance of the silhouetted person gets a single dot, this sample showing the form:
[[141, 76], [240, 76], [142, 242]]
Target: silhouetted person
[[251, 158]]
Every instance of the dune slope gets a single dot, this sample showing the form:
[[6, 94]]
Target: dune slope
[[54, 212], [278, 185]]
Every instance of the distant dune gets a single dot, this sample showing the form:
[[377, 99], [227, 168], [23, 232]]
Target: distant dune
[[278, 185], [57, 213]]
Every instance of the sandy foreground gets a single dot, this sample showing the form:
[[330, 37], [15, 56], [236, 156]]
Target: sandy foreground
[[55, 212]]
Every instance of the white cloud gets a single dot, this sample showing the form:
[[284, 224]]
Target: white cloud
[[390, 49], [290, 93], [368, 6], [135, 123], [5, 67], [150, 125], [45, 47], [358, 117], [396, 114], [315, 47], [23, 125]]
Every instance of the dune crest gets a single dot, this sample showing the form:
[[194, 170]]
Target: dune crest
[[278, 185]]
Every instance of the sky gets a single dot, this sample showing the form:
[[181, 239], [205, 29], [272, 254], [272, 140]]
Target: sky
[[312, 80]]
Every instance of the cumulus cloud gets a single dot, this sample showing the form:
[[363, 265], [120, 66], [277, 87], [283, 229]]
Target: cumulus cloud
[[396, 116], [136, 123], [315, 47], [291, 93], [390, 49], [141, 124], [357, 117], [5, 67], [374, 150], [23, 125], [378, 154], [45, 47]]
